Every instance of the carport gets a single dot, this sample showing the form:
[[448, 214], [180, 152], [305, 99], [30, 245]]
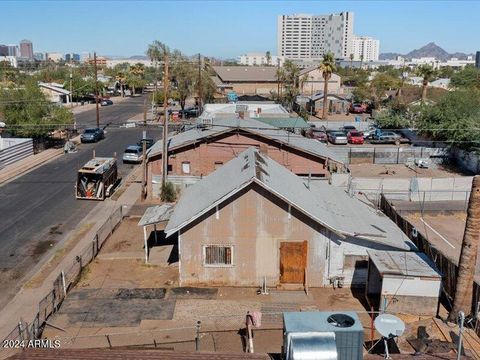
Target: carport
[[157, 216]]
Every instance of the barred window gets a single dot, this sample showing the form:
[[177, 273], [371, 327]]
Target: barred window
[[218, 255]]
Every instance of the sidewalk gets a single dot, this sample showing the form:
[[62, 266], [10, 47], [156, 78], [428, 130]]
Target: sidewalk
[[24, 304], [29, 163]]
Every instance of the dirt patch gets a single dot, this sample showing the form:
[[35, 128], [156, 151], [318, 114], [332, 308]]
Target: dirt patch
[[42, 247], [402, 171], [192, 293], [38, 279], [158, 293]]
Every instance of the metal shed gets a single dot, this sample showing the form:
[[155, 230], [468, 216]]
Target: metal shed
[[400, 281]]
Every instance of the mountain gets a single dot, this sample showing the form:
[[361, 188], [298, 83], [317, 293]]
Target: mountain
[[429, 50]]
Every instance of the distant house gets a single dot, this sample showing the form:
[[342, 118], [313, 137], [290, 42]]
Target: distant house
[[311, 82], [253, 219], [442, 83], [55, 92], [246, 80], [201, 150]]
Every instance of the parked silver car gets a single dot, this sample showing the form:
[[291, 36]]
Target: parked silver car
[[133, 154], [337, 137]]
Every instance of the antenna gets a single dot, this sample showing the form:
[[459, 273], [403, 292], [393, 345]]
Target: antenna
[[389, 326]]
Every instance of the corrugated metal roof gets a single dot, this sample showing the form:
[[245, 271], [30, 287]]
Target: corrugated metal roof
[[124, 354], [253, 126], [326, 204], [404, 263], [156, 214], [246, 73]]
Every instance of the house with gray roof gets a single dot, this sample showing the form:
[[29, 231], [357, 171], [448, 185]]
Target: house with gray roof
[[197, 152], [253, 220]]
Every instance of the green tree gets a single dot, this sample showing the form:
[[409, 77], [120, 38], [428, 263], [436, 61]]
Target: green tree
[[428, 73], [327, 67], [185, 78], [289, 74], [135, 77], [453, 119], [468, 77], [28, 113]]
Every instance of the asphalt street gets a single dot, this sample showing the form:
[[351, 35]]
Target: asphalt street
[[39, 208]]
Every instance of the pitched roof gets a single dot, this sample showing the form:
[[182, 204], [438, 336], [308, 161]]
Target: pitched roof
[[253, 126], [246, 73], [54, 88], [325, 204]]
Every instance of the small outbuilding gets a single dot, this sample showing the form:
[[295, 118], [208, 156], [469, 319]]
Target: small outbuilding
[[400, 281]]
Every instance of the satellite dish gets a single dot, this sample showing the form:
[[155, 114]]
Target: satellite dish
[[389, 326]]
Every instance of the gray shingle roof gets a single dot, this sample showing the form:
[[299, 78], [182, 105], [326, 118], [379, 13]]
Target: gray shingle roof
[[254, 126], [328, 205], [246, 73]]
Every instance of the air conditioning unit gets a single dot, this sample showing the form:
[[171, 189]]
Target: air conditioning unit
[[315, 335]]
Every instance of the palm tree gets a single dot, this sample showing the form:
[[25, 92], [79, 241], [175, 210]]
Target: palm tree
[[361, 61], [468, 255], [327, 67], [269, 57], [121, 78], [351, 61], [428, 73], [280, 74], [302, 81]]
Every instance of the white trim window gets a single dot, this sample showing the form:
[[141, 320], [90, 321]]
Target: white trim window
[[186, 167], [217, 255]]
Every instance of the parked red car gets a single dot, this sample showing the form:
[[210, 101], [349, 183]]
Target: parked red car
[[316, 134], [358, 108], [355, 137]]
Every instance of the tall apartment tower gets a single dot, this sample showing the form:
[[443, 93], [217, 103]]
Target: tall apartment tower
[[26, 49], [365, 48], [304, 36], [12, 50], [477, 60]]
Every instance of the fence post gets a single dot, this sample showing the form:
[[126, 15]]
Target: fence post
[[374, 155], [197, 335], [398, 154], [20, 330]]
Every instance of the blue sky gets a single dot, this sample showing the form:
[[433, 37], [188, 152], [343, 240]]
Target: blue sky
[[227, 28]]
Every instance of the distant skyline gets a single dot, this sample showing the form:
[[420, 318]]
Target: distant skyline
[[227, 29]]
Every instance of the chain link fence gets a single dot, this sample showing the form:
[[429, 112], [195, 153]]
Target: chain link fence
[[26, 331]]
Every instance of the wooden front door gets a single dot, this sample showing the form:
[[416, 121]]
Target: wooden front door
[[293, 261]]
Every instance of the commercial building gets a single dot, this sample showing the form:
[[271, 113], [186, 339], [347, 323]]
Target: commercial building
[[72, 57], [111, 63], [12, 60], [477, 60], [254, 220], [304, 36], [365, 48], [3, 50], [55, 57], [40, 56], [12, 50], [260, 59], [26, 49], [101, 61], [246, 80]]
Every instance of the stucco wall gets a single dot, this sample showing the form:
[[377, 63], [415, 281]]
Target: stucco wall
[[255, 223]]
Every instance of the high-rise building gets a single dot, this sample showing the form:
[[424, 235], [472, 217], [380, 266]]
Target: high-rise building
[[12, 50], [40, 56], [3, 50], [72, 57], [304, 36], [477, 60], [26, 49], [365, 48], [55, 57]]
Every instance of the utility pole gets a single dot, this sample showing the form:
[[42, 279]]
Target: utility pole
[[71, 88], [200, 90], [96, 88], [165, 123], [144, 165]]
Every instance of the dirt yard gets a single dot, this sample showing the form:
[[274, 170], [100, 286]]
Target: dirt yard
[[402, 171]]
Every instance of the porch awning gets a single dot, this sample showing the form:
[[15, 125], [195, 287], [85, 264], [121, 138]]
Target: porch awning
[[156, 214]]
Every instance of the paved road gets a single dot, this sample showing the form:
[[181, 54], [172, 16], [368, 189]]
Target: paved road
[[39, 208]]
